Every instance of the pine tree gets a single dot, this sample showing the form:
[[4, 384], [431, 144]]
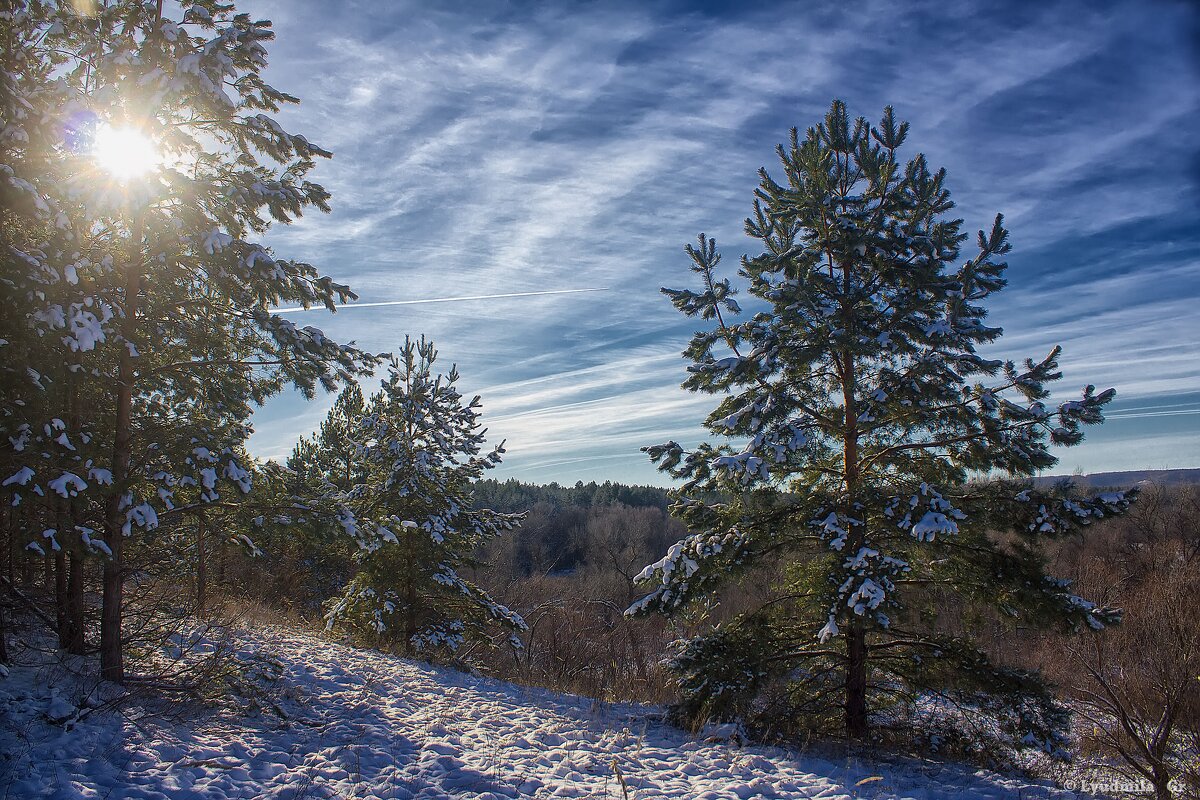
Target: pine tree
[[148, 289], [324, 465], [331, 454], [854, 409], [418, 447]]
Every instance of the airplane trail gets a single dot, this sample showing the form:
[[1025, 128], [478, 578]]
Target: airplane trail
[[444, 299]]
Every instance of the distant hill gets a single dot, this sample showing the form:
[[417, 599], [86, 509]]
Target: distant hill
[[514, 495], [1162, 477]]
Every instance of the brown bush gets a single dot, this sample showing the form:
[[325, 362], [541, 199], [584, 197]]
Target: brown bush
[[1136, 686]]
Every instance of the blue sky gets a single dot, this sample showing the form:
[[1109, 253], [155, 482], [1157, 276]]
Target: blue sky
[[510, 148]]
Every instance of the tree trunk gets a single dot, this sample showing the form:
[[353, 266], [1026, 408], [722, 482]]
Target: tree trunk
[[26, 569], [1159, 753], [3, 635], [856, 683], [856, 636], [201, 564], [222, 557], [10, 542], [76, 642], [71, 637], [60, 575], [8, 550], [112, 665], [410, 593], [60, 598]]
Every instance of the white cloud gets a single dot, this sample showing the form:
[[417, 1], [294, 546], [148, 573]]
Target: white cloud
[[488, 153]]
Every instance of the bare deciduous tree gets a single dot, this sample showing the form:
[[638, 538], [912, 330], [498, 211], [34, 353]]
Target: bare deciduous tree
[[1136, 685]]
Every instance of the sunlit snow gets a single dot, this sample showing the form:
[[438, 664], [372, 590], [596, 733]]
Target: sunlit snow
[[358, 723]]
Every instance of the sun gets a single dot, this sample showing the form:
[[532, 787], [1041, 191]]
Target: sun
[[124, 153]]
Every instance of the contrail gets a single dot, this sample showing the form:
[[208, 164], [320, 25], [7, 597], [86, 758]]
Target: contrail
[[445, 299]]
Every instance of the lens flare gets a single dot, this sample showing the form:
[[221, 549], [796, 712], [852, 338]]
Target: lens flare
[[125, 153]]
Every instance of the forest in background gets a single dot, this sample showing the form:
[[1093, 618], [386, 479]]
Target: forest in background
[[569, 571]]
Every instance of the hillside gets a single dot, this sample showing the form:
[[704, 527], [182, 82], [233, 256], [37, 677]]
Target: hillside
[[1161, 477], [356, 723]]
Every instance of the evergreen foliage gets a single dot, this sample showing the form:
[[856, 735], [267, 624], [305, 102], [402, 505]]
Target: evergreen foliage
[[400, 467], [852, 410], [136, 317], [332, 450], [514, 495]]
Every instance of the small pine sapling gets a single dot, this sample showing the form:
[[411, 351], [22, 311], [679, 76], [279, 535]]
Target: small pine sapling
[[416, 449]]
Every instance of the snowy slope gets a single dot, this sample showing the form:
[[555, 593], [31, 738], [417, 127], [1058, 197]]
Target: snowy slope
[[366, 725]]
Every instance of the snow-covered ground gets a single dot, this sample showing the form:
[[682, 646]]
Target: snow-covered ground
[[360, 724]]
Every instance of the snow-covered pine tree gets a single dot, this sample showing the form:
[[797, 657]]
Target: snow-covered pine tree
[[323, 466], [331, 454], [418, 448], [855, 408], [148, 285]]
